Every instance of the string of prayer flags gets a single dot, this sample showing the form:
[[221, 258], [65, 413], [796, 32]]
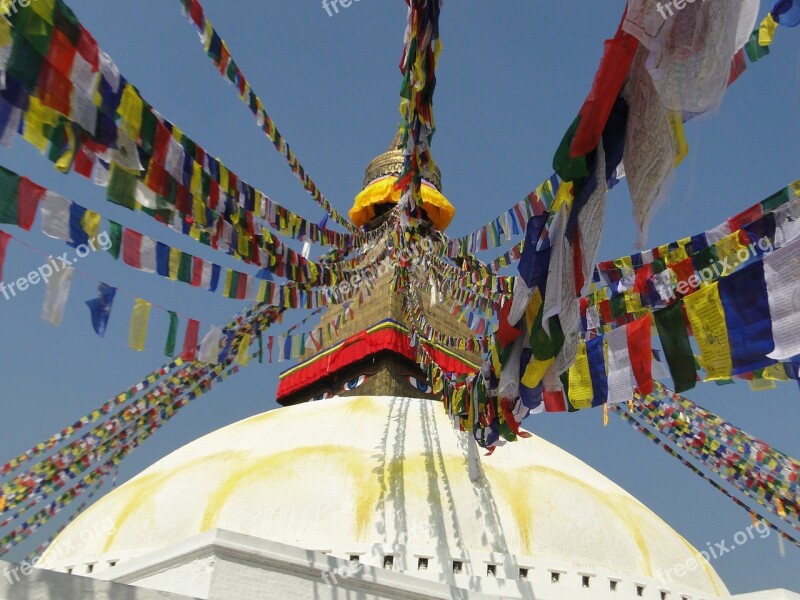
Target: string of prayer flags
[[418, 66], [216, 49]]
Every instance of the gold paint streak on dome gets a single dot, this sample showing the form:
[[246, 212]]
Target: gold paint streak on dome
[[300, 459], [519, 503], [148, 485]]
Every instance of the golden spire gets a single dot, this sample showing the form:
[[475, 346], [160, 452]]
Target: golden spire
[[378, 190], [391, 163]]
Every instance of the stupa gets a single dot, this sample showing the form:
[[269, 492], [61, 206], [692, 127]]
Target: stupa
[[359, 487]]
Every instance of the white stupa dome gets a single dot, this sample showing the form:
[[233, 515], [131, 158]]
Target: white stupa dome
[[350, 474]]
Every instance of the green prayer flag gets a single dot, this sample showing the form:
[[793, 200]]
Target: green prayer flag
[[705, 258], [185, 268], [231, 291], [115, 234], [169, 349], [148, 129], [570, 169], [122, 187], [753, 49], [777, 200], [25, 62], [67, 23], [9, 197], [618, 306], [677, 349]]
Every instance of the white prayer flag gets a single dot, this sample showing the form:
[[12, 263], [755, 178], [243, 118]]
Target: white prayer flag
[[55, 298]]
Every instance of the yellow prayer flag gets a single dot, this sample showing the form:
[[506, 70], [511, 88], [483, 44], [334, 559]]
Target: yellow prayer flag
[[130, 109], [244, 245], [675, 256], [534, 305], [174, 263], [243, 355], [731, 252], [196, 182], [624, 262], [5, 26], [223, 178], [208, 34], [705, 313], [37, 117], [64, 162], [761, 385], [137, 335], [44, 8], [581, 391], [675, 119], [534, 372], [633, 302], [199, 210], [91, 223], [766, 31], [776, 372], [564, 196]]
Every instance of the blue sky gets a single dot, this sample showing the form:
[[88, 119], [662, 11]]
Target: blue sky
[[511, 80]]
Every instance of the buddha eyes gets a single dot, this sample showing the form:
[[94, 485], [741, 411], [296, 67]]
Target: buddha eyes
[[422, 385], [352, 384], [322, 396]]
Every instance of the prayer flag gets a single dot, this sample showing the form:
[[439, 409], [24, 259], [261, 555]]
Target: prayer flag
[[100, 308], [55, 298], [137, 335]]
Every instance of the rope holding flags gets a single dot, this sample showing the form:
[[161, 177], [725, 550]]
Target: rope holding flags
[[217, 50]]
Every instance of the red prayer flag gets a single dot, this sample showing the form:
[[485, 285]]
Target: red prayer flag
[[132, 248], [554, 402], [611, 76], [506, 333], [746, 217], [29, 196], [190, 340], [640, 350], [84, 162], [197, 271], [4, 239], [241, 290]]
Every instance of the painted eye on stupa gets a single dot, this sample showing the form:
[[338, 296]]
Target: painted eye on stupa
[[352, 384], [322, 396], [422, 385]]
